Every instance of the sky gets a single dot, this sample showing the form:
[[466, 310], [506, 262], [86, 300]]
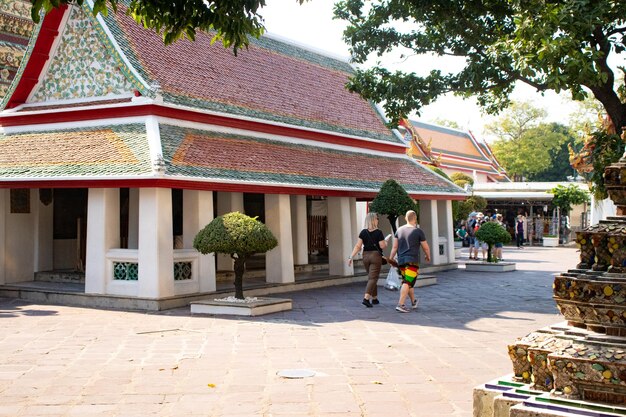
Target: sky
[[311, 24]]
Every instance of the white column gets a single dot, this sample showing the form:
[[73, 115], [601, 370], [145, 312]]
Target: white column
[[340, 239], [103, 233], [226, 203], [43, 235], [3, 211], [279, 261], [429, 223], [446, 228], [353, 217], [156, 243], [299, 228], [133, 218], [197, 213]]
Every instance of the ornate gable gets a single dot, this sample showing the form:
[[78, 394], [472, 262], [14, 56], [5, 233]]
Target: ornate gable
[[82, 66]]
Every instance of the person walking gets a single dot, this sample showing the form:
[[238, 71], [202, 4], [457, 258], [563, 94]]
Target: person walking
[[471, 236], [499, 245], [519, 231], [409, 239], [372, 241]]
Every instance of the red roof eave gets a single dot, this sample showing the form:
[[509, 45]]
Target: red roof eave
[[38, 57]]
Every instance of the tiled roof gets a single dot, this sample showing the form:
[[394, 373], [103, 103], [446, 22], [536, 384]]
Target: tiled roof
[[457, 149], [223, 157], [120, 150], [450, 141], [271, 80]]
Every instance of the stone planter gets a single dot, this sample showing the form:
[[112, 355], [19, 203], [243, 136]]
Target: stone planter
[[550, 241], [458, 244], [490, 266], [256, 307]]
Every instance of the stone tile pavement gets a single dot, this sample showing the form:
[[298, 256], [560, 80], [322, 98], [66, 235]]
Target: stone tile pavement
[[68, 361]]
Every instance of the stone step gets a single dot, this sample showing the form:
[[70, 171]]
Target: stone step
[[67, 276], [228, 276]]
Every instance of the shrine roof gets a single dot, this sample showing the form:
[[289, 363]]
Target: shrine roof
[[271, 80], [226, 157], [108, 151], [204, 159], [457, 149]]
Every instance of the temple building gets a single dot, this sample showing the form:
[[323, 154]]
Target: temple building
[[452, 150], [115, 150]]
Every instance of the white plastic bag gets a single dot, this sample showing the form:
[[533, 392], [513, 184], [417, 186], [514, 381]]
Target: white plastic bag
[[393, 280]]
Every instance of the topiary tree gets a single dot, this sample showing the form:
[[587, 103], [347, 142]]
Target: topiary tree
[[393, 201], [492, 233], [239, 236]]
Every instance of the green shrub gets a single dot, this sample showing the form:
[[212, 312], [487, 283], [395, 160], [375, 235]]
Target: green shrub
[[492, 233], [393, 201], [239, 236]]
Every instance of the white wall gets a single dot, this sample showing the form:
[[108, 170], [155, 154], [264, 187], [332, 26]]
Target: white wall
[[20, 242]]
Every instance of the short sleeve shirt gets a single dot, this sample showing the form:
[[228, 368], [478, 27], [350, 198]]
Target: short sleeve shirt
[[409, 242], [371, 239]]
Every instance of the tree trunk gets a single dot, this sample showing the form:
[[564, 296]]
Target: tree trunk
[[392, 221], [489, 258], [240, 268]]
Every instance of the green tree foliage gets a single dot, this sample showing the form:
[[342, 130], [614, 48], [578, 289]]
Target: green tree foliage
[[528, 148], [565, 197], [472, 203], [535, 151], [461, 179], [559, 46], [239, 236], [559, 168], [492, 233], [393, 201], [231, 20]]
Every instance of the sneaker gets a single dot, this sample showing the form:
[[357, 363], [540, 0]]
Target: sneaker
[[414, 304], [402, 309], [366, 303], [375, 301]]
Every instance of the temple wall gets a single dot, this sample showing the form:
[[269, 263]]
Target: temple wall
[[19, 239]]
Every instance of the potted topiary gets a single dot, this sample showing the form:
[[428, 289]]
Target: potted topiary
[[492, 233], [239, 236]]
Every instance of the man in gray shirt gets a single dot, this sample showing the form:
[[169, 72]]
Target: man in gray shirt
[[409, 239]]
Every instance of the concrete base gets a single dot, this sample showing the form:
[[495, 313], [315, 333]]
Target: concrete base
[[490, 266], [253, 308], [551, 241]]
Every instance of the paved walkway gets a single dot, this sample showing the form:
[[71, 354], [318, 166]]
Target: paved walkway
[[67, 361]]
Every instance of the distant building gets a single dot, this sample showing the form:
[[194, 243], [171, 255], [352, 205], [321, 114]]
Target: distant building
[[452, 150]]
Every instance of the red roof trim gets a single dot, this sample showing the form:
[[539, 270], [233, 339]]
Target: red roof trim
[[17, 119], [207, 186], [38, 58]]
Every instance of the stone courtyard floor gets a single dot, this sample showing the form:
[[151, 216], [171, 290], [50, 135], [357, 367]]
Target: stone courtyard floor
[[68, 361]]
